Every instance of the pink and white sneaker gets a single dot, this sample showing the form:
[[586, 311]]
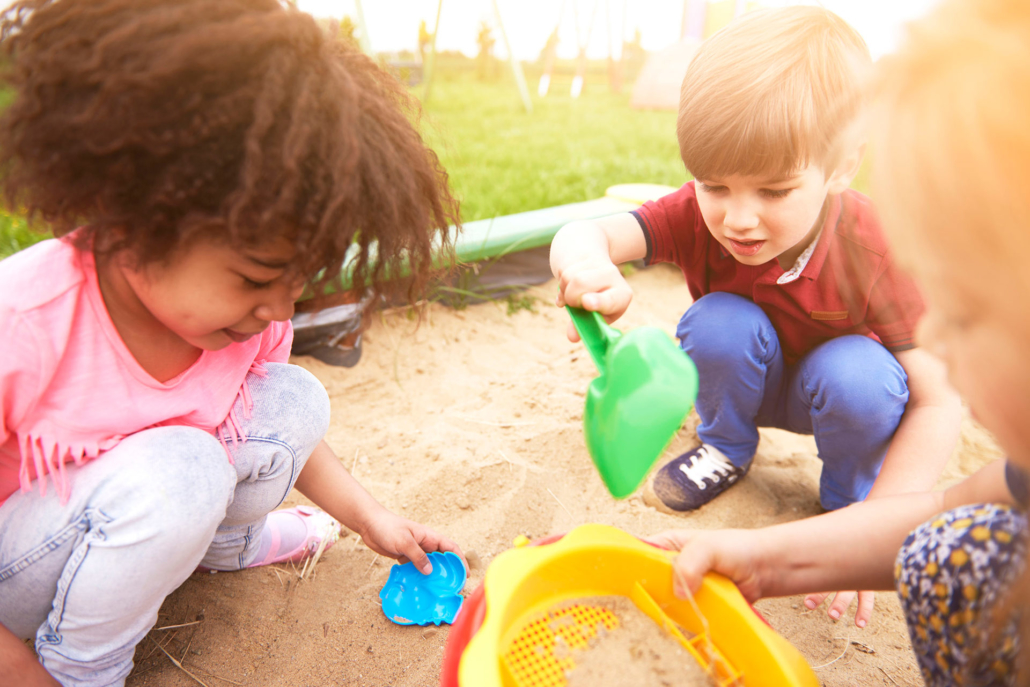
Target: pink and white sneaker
[[295, 534]]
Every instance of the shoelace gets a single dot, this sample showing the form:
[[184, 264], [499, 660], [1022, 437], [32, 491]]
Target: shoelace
[[705, 465]]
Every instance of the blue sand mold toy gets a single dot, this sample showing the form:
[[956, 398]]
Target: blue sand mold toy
[[411, 598]]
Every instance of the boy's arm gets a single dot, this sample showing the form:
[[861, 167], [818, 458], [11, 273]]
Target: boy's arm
[[327, 483], [584, 259], [928, 430], [616, 237]]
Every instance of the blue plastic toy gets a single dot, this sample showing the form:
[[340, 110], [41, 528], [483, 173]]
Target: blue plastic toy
[[411, 598]]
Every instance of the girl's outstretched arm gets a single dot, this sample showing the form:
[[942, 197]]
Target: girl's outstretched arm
[[852, 548], [327, 483], [929, 429], [920, 448]]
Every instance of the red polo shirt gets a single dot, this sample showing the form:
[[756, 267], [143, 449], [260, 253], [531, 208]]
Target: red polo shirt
[[850, 285]]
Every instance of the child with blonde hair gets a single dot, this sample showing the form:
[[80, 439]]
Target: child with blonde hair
[[202, 164], [801, 320], [952, 172]]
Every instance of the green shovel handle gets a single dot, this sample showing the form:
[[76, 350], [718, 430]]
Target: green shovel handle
[[597, 336]]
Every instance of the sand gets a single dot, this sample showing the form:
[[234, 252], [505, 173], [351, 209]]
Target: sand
[[471, 423], [636, 653]]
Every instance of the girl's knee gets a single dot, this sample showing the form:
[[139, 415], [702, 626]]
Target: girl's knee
[[295, 392], [179, 471], [947, 549], [952, 573]]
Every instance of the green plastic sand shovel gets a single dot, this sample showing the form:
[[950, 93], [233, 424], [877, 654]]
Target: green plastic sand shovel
[[637, 404]]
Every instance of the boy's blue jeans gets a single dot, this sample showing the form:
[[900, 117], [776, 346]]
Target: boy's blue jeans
[[849, 392], [86, 579]]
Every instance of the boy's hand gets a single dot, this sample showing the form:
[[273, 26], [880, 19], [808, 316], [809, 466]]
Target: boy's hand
[[728, 552], [840, 603], [404, 540], [595, 284]]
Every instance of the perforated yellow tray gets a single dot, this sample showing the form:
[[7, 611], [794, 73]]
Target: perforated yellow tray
[[532, 658], [515, 645]]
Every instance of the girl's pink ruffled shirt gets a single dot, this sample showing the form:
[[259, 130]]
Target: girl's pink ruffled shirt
[[69, 388]]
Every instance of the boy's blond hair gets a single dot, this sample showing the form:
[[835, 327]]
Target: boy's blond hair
[[952, 160], [772, 92]]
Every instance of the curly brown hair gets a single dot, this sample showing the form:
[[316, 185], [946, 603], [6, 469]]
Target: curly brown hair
[[148, 121]]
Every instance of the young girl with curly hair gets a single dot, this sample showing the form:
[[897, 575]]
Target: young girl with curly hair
[[952, 171], [201, 163]]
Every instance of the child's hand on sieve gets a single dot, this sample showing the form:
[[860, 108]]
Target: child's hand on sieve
[[751, 561], [733, 553]]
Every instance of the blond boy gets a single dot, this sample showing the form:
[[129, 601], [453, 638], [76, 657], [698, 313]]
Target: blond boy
[[800, 319]]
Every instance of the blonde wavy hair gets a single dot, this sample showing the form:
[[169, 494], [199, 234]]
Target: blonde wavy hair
[[951, 176], [951, 162]]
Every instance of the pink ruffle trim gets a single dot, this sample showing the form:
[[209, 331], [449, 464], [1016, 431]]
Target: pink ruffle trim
[[231, 428], [49, 456]]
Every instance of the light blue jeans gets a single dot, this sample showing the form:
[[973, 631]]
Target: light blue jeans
[[87, 579], [850, 393]]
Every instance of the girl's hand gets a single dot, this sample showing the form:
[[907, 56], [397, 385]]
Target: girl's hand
[[327, 483], [404, 540], [733, 553]]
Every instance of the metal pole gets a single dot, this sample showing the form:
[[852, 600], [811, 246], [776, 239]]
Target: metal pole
[[695, 16], [516, 66], [614, 68], [427, 69], [581, 62], [363, 39], [551, 56]]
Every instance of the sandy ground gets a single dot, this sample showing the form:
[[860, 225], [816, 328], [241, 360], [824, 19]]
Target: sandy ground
[[471, 423]]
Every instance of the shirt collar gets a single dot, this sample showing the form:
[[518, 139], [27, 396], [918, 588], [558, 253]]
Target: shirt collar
[[810, 263], [794, 272]]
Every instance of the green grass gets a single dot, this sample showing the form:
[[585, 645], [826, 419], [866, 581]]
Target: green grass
[[502, 160], [15, 234], [14, 231]]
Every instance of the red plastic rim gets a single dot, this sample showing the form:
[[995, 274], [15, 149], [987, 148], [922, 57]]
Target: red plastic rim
[[467, 624]]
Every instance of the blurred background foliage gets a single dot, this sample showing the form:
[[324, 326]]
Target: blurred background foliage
[[502, 160]]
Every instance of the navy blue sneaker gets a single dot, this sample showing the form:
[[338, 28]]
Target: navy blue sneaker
[[695, 478]]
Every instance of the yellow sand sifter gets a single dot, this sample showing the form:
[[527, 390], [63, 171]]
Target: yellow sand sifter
[[505, 635]]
